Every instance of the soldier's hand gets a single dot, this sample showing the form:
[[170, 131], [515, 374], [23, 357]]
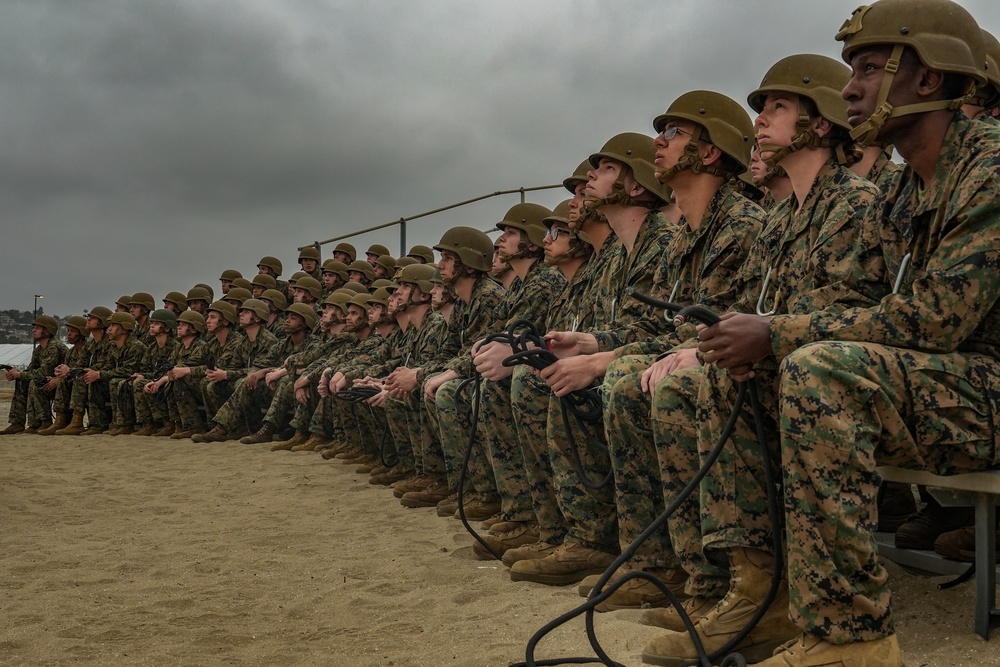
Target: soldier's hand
[[218, 375], [404, 382], [302, 395], [738, 340], [274, 376], [152, 387], [565, 344], [12, 374], [301, 381], [489, 361], [685, 358], [62, 370], [91, 376], [568, 375], [51, 384], [338, 383], [323, 386], [253, 379], [378, 400], [137, 376], [178, 372]]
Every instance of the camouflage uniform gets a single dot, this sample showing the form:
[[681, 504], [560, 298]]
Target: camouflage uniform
[[245, 405], [699, 266], [228, 357], [183, 399], [577, 307], [124, 361], [818, 255], [914, 384], [76, 357], [156, 361], [469, 323], [82, 398], [529, 301], [281, 407], [30, 401]]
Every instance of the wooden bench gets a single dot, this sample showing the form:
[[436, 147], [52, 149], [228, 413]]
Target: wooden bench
[[980, 490]]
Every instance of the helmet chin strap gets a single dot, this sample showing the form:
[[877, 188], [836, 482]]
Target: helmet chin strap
[[867, 132], [692, 160], [618, 197]]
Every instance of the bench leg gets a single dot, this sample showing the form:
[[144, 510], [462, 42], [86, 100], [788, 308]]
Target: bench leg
[[986, 569]]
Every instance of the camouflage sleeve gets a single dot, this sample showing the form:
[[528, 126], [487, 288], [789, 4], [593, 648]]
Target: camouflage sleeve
[[481, 323], [541, 286], [43, 366], [952, 296], [433, 356], [128, 361]]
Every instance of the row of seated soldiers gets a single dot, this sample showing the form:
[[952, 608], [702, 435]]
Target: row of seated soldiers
[[563, 495]]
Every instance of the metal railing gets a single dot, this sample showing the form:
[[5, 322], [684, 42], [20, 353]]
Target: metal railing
[[402, 221]]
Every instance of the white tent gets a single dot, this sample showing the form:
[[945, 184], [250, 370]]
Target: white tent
[[18, 355]]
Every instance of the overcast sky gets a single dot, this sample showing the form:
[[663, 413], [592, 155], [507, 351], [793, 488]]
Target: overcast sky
[[147, 146]]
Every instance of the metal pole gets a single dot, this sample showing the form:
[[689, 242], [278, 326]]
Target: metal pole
[[34, 316], [402, 237]]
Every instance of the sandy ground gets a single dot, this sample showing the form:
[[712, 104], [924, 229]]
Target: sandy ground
[[139, 551]]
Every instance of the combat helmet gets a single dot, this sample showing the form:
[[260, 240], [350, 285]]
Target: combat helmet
[[48, 323], [347, 249], [124, 320], [311, 285], [578, 247], [720, 121], [178, 299], [579, 176], [304, 311], [377, 249], [164, 316], [421, 252], [527, 218], [944, 36], [362, 267], [230, 275], [987, 95], [337, 267], [272, 263], [101, 314], [264, 280], [637, 152], [238, 294], [226, 309], [195, 319], [275, 297], [79, 323], [309, 252], [473, 247], [419, 275], [244, 283], [257, 307]]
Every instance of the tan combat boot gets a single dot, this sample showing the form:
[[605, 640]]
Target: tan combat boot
[[429, 497], [477, 509], [217, 434], [165, 431], [748, 587], [639, 592], [668, 618], [811, 651], [518, 534], [311, 444], [145, 430], [528, 552], [566, 564], [287, 445], [61, 422], [75, 426], [13, 429], [263, 435]]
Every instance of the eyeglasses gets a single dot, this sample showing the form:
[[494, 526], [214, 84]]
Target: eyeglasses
[[554, 232], [671, 131]]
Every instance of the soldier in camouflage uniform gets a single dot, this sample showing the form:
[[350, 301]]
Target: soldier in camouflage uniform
[[384, 267], [621, 187], [814, 250], [907, 381], [226, 279], [272, 267], [37, 381], [704, 143], [309, 259], [76, 336], [361, 272], [522, 246], [198, 300], [94, 354], [465, 262], [139, 307], [241, 412], [150, 413], [282, 369], [328, 348], [207, 388], [260, 283], [422, 254], [125, 353], [375, 251], [345, 252], [277, 303], [333, 276], [181, 399], [322, 424], [175, 302]]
